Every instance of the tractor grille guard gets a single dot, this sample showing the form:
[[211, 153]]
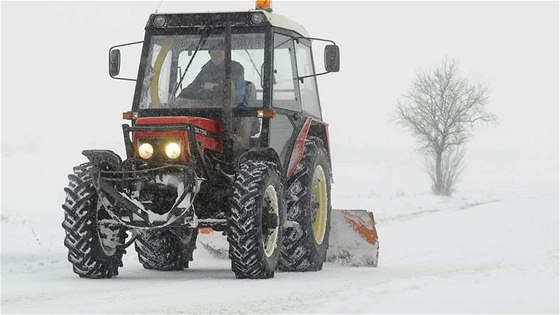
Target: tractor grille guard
[[115, 181], [122, 188], [131, 212]]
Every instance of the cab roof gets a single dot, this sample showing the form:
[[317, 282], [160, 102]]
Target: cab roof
[[284, 22], [198, 20]]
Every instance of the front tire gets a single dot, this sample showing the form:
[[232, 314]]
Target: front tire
[[309, 192], [257, 214], [94, 241], [163, 249]]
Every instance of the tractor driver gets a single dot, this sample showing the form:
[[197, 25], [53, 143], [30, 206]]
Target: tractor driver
[[208, 84]]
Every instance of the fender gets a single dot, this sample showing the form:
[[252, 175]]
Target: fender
[[267, 154], [103, 159], [311, 127]]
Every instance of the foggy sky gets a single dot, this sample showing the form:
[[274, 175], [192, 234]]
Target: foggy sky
[[57, 98]]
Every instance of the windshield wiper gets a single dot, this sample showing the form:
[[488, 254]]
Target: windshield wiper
[[201, 42], [253, 63]]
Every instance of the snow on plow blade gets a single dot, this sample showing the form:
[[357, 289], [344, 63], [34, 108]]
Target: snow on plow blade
[[353, 238]]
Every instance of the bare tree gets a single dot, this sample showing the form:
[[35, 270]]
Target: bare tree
[[441, 109]]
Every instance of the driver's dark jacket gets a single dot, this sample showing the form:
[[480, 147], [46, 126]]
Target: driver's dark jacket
[[212, 73]]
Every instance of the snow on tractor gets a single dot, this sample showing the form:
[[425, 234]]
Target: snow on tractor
[[226, 134]]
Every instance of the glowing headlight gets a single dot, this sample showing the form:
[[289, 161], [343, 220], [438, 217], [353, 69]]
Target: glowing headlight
[[145, 150], [173, 150]]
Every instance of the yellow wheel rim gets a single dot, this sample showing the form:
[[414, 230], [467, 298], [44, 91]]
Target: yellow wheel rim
[[270, 236], [320, 201]]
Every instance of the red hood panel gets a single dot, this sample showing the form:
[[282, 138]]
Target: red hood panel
[[204, 123], [207, 142]]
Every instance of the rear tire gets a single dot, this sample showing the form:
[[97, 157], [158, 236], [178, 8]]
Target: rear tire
[[309, 205], [93, 240], [257, 214], [165, 250]]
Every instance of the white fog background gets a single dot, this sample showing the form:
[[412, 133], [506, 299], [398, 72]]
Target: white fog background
[[58, 99]]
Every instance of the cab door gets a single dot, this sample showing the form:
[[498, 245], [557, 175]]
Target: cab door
[[286, 100]]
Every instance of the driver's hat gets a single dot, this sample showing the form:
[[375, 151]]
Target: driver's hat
[[216, 45]]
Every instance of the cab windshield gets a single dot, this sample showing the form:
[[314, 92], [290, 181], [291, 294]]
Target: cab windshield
[[187, 71]]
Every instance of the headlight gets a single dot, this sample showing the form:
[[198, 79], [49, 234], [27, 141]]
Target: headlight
[[159, 21], [257, 18], [145, 150], [173, 150]]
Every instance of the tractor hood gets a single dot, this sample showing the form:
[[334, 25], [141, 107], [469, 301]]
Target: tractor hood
[[158, 133]]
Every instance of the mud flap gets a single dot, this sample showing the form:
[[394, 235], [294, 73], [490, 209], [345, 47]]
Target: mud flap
[[353, 239]]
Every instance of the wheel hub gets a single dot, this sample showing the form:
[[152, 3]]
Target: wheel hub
[[108, 232], [319, 202], [270, 221]]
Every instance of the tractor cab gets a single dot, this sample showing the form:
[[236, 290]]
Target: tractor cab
[[266, 58]]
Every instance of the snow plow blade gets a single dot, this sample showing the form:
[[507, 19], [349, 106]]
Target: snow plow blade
[[353, 238]]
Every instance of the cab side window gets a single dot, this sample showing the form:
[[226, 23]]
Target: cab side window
[[308, 87], [284, 80]]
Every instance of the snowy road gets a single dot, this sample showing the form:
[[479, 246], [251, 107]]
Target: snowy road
[[496, 257]]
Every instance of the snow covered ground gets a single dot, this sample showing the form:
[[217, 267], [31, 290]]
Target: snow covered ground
[[459, 256], [492, 247]]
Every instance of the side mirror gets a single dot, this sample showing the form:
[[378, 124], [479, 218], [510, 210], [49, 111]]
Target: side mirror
[[332, 58], [114, 62]]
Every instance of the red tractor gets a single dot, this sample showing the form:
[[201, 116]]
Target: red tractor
[[226, 133]]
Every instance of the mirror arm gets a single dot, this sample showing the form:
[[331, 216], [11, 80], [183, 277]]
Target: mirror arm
[[122, 45], [318, 39], [127, 44], [124, 79], [312, 75], [314, 38]]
